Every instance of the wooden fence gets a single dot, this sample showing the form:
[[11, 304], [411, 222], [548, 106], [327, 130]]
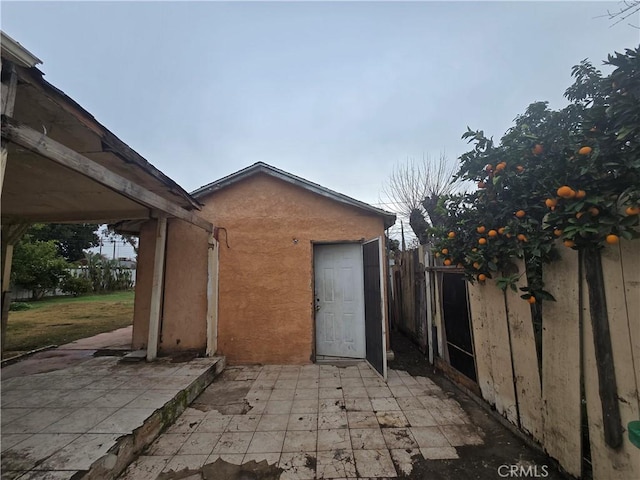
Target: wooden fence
[[409, 301], [558, 400]]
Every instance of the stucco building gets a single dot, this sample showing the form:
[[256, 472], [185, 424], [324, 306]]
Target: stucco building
[[300, 273]]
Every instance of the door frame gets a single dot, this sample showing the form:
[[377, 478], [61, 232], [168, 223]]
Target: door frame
[[315, 243], [361, 242]]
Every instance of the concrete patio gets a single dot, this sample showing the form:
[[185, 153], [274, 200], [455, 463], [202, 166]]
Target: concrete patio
[[67, 413], [305, 422]]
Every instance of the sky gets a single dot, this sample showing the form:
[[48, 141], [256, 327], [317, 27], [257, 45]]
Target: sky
[[335, 92]]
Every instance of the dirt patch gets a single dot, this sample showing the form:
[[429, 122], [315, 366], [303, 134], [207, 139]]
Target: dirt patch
[[500, 447], [311, 463], [225, 397], [221, 470]]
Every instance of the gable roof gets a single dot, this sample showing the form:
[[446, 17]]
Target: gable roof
[[261, 167]]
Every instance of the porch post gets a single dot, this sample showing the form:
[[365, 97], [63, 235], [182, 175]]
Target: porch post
[[157, 288], [10, 236], [212, 295]]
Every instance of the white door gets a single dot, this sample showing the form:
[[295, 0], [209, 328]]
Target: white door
[[339, 300]]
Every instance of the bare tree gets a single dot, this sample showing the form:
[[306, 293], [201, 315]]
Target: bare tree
[[627, 8], [415, 187]]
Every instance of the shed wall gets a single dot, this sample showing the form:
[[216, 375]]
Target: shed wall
[[266, 302], [183, 323]]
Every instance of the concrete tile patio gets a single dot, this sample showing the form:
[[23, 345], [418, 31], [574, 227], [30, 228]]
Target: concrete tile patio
[[93, 414], [313, 421]]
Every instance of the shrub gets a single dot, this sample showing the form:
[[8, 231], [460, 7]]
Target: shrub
[[76, 285], [19, 306]]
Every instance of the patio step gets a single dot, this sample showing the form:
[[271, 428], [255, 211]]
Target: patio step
[[127, 448]]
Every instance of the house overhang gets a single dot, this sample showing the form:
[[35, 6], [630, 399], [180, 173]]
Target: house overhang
[[59, 164]]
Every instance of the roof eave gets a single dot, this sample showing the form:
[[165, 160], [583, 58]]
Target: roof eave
[[16, 53], [261, 167]]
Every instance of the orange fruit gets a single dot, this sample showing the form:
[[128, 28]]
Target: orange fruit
[[501, 230], [585, 150], [612, 239], [520, 168], [437, 254], [476, 265], [501, 166], [522, 237], [581, 194], [451, 234], [531, 300], [493, 233], [445, 251], [566, 192], [537, 149], [569, 243], [550, 202], [632, 211], [579, 214], [482, 277], [447, 262], [557, 232], [520, 213], [594, 211], [481, 229], [482, 185], [508, 235], [482, 241]]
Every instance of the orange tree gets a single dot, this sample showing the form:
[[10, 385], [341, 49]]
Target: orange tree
[[572, 174]]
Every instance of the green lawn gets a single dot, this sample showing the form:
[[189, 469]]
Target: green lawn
[[62, 320]]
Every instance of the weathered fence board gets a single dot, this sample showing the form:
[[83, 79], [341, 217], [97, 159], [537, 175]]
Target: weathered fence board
[[497, 327], [525, 361], [482, 342], [625, 460], [631, 277], [561, 363]]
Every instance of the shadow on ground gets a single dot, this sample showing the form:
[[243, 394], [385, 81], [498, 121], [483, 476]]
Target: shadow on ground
[[481, 462]]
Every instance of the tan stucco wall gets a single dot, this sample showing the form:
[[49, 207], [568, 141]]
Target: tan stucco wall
[[183, 321], [144, 279], [266, 274]]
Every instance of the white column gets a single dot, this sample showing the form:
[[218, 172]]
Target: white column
[[212, 295], [157, 288]]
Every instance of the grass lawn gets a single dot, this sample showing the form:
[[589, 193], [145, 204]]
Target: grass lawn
[[62, 320]]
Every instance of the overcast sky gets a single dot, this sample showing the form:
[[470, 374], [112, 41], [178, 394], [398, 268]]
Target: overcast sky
[[334, 92]]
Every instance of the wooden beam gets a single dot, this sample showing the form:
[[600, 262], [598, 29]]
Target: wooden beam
[[156, 289], [39, 143], [9, 89], [8, 102], [212, 295], [110, 216]]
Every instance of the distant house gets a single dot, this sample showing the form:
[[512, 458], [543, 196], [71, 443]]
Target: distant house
[[300, 273]]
